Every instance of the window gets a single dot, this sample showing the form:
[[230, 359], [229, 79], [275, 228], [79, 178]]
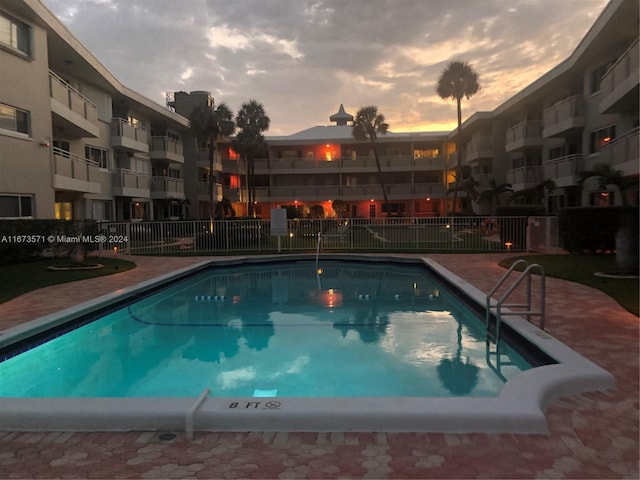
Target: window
[[14, 206], [14, 119], [15, 35], [426, 153], [64, 211], [101, 210], [601, 138], [97, 155]]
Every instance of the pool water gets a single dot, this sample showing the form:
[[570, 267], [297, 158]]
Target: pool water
[[338, 329]]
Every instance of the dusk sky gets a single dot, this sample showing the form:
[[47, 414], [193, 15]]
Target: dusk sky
[[302, 58]]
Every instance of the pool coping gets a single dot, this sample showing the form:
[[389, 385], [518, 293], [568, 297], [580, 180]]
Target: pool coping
[[519, 408]]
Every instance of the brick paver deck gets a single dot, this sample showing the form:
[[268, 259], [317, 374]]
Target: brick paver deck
[[593, 435]]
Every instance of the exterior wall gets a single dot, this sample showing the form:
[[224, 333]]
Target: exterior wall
[[25, 164]]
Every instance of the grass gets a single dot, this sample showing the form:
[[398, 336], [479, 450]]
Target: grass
[[18, 279], [581, 269]]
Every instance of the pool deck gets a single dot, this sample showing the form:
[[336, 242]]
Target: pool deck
[[593, 435]]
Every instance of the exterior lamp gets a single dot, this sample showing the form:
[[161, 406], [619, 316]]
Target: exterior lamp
[[508, 245]]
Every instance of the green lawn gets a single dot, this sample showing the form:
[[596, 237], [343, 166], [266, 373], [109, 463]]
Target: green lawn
[[22, 278], [581, 269]]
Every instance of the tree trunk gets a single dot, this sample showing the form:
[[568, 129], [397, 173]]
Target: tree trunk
[[380, 176], [459, 155], [211, 182]]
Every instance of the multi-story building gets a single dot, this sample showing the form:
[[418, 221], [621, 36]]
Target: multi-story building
[[582, 113], [74, 142]]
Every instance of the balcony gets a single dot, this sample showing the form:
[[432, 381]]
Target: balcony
[[619, 85], [396, 163], [203, 160], [74, 173], [622, 153], [527, 134], [564, 170], [71, 111], [564, 117], [127, 183], [166, 148], [320, 193], [128, 136], [524, 177], [479, 147], [167, 188], [203, 191], [234, 194]]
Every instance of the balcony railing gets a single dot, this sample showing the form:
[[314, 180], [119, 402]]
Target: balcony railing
[[524, 134], [203, 159], [328, 192], [72, 166], [387, 163], [203, 189], [626, 66], [623, 149], [166, 147], [523, 177], [564, 115], [75, 102], [564, 170], [128, 179], [167, 187], [129, 135], [479, 147]]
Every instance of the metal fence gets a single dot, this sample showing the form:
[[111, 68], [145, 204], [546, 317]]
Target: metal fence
[[393, 234]]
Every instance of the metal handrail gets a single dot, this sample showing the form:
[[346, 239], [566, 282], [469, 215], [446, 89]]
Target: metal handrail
[[526, 273]]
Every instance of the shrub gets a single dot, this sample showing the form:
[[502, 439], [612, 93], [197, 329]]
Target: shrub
[[24, 240], [590, 229]]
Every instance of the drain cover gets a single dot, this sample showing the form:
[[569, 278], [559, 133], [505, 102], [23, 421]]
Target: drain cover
[[167, 436]]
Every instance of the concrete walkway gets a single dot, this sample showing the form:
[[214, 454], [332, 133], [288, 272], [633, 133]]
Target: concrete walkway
[[593, 435]]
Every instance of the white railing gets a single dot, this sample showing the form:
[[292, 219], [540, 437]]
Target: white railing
[[567, 166], [165, 144], [203, 159], [628, 64], [125, 178], [168, 185], [122, 128], [74, 166], [622, 150], [71, 98], [569, 108], [392, 234], [524, 130], [527, 176], [203, 189], [387, 162]]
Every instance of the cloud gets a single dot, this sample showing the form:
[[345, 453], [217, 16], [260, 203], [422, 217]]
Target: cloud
[[302, 58]]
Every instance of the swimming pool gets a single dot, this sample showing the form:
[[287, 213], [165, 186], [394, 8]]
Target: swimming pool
[[284, 344]]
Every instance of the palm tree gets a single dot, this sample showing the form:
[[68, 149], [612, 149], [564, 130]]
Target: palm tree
[[367, 125], [249, 143], [493, 194], [211, 124], [627, 231], [456, 81], [470, 187]]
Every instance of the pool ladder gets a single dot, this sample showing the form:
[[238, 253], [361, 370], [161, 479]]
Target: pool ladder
[[497, 307]]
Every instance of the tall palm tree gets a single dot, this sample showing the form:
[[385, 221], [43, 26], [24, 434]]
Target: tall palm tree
[[211, 124], [249, 143], [493, 194], [367, 125], [456, 81]]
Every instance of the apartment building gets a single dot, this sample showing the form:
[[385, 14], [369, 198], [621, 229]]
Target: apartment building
[[582, 113], [74, 142]]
